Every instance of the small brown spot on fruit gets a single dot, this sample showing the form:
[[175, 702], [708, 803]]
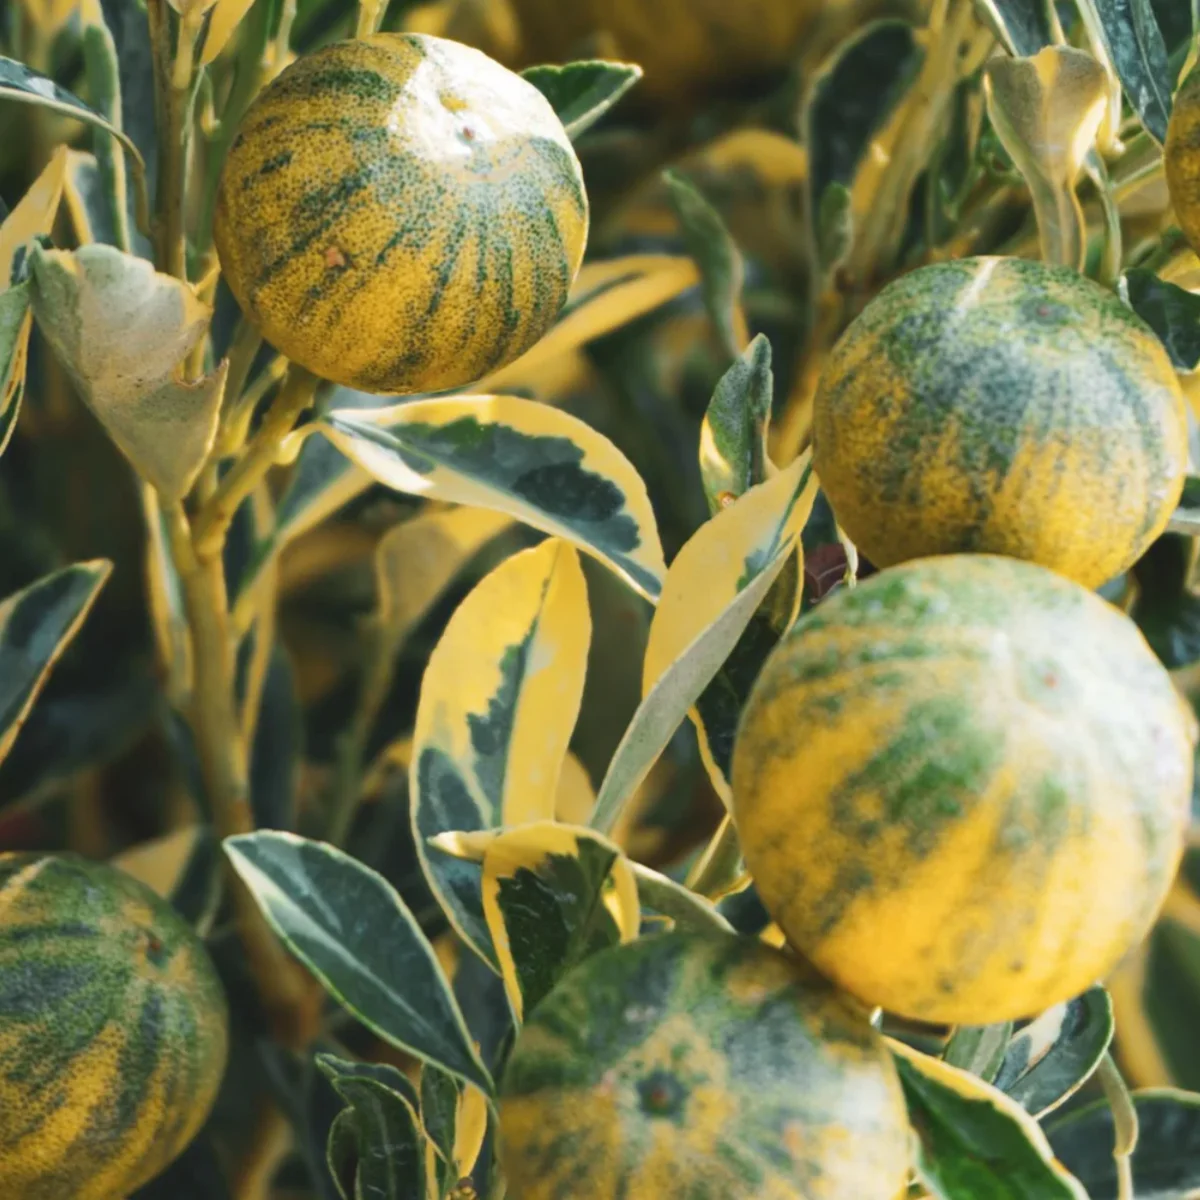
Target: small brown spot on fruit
[[335, 259]]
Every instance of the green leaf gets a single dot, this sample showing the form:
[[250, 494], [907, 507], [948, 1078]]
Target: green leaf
[[1135, 45], [26, 86], [972, 1141], [1052, 1057], [720, 262], [104, 85], [350, 928], [670, 899], [498, 704], [341, 1152], [733, 438], [392, 1078], [1166, 609], [1170, 311], [440, 1094], [1024, 26], [582, 92], [1166, 1161], [979, 1049], [36, 626], [852, 98], [534, 462], [834, 228], [14, 347], [679, 678], [553, 895], [123, 331], [388, 1151]]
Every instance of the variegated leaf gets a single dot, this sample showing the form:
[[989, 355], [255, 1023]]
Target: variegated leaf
[[606, 294], [733, 437], [1047, 110], [418, 559], [36, 626], [669, 899], [717, 563], [582, 92], [498, 704], [972, 1140], [33, 215], [535, 463], [553, 894], [123, 331], [349, 927], [1051, 1058]]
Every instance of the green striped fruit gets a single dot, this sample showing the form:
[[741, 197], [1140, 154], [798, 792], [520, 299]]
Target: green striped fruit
[[962, 788], [683, 1065], [1001, 406], [1181, 157], [113, 1031], [401, 214]]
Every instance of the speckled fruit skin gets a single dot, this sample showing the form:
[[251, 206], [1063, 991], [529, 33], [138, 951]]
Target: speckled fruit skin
[[962, 788], [401, 214], [113, 1031], [682, 1066], [1181, 157], [1001, 406]]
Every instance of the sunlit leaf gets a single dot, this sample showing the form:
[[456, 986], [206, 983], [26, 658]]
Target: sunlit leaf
[[680, 678], [1047, 111], [1053, 1057], [533, 462], [346, 925], [553, 895], [1024, 26], [418, 559], [33, 215], [972, 1141], [498, 704], [582, 92], [607, 294], [36, 626], [23, 85], [733, 437], [123, 331], [226, 17], [721, 559], [1166, 1161]]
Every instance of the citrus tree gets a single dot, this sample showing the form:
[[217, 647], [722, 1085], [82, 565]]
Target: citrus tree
[[382, 816]]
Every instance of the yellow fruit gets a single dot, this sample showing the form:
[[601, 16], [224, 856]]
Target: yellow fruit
[[1181, 157], [113, 1031], [684, 1065], [401, 214], [1006, 407], [962, 788]]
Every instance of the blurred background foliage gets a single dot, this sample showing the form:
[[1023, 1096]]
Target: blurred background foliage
[[831, 171]]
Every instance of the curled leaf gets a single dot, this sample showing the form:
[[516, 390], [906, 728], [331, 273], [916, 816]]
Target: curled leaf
[[123, 331], [1047, 111]]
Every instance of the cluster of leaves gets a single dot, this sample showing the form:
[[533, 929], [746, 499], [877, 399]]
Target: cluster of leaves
[[468, 749]]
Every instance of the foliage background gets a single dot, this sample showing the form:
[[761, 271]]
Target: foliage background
[[759, 231]]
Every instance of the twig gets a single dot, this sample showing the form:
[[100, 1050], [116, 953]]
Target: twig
[[289, 995], [214, 520]]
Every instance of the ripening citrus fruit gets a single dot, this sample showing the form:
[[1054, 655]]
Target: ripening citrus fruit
[[684, 1065], [401, 214], [1001, 406], [113, 1031], [1181, 157], [962, 788]]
